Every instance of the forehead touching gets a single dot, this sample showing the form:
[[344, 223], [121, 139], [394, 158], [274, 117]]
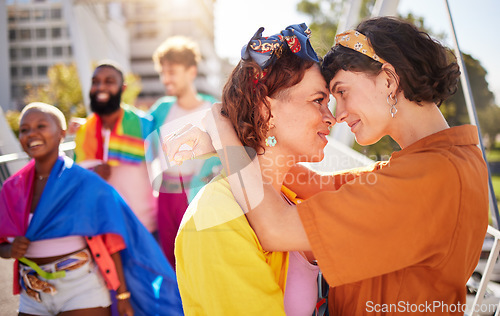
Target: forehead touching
[[312, 84], [351, 79], [50, 112]]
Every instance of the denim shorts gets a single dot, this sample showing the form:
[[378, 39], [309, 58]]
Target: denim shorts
[[81, 288]]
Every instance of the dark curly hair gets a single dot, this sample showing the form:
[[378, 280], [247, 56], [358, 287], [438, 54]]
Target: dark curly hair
[[247, 88], [423, 65]]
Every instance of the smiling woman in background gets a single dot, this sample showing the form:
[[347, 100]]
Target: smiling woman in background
[[70, 231]]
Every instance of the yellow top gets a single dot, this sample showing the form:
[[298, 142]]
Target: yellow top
[[221, 266]]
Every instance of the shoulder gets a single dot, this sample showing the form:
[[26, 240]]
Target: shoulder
[[208, 98], [428, 168], [81, 175], [20, 174], [215, 205], [162, 102], [132, 110], [90, 121]]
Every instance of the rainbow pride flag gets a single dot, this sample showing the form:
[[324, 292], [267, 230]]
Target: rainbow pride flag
[[124, 144]]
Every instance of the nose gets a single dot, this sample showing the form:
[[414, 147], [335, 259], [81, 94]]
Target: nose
[[27, 133], [327, 116], [97, 86], [165, 79], [341, 113]]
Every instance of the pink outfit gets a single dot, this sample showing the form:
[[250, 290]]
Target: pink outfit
[[173, 207], [53, 247], [173, 196], [301, 291], [132, 182]]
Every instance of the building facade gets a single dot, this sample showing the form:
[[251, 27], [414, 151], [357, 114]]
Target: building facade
[[150, 22], [41, 33], [37, 38]]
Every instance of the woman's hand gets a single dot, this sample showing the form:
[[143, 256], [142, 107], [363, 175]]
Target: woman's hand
[[19, 247], [192, 136], [203, 141], [125, 308]]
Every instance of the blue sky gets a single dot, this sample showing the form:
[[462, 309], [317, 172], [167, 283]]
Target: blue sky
[[474, 21]]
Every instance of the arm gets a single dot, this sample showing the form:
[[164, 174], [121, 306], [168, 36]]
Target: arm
[[307, 182], [276, 223], [124, 307], [15, 250]]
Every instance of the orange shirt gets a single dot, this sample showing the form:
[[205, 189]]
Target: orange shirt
[[102, 247], [407, 235]]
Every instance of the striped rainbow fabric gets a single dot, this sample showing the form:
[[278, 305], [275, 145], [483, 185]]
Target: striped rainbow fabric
[[126, 141]]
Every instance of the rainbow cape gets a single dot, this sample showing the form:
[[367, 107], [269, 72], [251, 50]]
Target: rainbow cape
[[76, 201], [126, 140]]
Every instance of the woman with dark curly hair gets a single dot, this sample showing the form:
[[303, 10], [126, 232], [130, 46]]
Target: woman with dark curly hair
[[404, 235], [221, 266]]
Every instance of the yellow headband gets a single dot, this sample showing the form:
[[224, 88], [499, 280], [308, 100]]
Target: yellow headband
[[354, 40]]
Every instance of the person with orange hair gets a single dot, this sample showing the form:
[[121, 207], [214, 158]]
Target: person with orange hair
[[176, 60]]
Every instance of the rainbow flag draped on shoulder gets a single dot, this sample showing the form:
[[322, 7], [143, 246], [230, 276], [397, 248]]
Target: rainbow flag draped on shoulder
[[125, 143]]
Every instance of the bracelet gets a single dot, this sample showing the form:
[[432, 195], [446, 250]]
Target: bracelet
[[123, 296]]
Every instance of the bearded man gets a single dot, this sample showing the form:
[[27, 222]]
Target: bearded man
[[111, 143]]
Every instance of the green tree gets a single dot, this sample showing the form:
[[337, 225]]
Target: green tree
[[12, 118], [63, 90], [490, 128], [133, 89], [324, 16]]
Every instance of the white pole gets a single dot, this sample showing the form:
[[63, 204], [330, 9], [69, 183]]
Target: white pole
[[80, 51], [385, 7], [471, 109]]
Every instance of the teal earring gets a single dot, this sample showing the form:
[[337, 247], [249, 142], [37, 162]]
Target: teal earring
[[271, 141]]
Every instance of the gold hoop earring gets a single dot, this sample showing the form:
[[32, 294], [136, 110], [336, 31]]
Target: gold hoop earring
[[392, 103]]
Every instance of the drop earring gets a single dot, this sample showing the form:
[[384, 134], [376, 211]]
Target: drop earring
[[392, 103], [271, 141]]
